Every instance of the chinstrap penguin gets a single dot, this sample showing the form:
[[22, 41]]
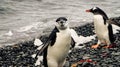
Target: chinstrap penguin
[[56, 48], [103, 28]]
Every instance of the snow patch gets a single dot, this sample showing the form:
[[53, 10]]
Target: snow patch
[[39, 60], [80, 39], [115, 28], [37, 42], [33, 56], [86, 39]]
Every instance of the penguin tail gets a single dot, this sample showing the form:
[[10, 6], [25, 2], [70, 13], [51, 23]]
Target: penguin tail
[[111, 36]]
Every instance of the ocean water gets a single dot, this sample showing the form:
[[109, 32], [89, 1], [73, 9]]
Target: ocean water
[[22, 20]]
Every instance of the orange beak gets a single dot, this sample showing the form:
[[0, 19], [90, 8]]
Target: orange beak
[[88, 10]]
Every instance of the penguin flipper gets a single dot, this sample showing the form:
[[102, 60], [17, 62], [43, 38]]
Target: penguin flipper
[[110, 21], [42, 49], [52, 36], [50, 41], [72, 43]]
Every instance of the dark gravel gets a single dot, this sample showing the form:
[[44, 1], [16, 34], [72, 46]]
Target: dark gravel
[[85, 30], [20, 55], [116, 20]]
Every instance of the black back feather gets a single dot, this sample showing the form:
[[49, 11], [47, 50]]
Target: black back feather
[[105, 17]]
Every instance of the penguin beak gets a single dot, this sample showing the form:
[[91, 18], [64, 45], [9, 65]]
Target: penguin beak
[[88, 10]]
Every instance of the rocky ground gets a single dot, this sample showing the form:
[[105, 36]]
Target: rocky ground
[[20, 55]]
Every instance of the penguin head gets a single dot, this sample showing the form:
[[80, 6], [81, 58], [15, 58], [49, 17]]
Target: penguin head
[[97, 11], [61, 23]]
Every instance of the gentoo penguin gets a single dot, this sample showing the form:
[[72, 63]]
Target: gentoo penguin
[[58, 44], [103, 29]]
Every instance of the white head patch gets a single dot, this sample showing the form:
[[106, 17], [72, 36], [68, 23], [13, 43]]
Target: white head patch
[[94, 8]]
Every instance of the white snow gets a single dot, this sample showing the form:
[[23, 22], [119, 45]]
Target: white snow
[[115, 28], [33, 56], [37, 42], [80, 39], [39, 60], [86, 39]]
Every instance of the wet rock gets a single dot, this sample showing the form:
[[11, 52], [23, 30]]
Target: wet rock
[[85, 30], [86, 64]]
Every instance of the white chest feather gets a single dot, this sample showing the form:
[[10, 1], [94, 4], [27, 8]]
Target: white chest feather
[[61, 47], [100, 28]]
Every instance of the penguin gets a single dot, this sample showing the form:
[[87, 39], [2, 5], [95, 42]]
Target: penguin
[[57, 46], [103, 28]]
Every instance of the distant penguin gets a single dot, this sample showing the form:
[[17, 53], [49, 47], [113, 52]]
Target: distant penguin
[[58, 44], [103, 29]]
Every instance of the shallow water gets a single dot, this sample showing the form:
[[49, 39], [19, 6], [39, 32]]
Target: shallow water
[[24, 19]]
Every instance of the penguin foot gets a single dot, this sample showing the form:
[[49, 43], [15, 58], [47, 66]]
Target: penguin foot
[[74, 65], [95, 46], [110, 46], [107, 46]]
